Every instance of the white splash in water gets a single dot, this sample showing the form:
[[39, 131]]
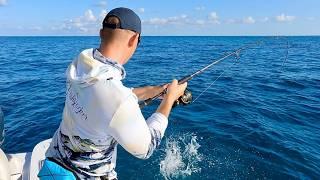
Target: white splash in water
[[181, 158]]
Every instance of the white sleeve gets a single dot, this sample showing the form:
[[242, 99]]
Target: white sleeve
[[133, 133]]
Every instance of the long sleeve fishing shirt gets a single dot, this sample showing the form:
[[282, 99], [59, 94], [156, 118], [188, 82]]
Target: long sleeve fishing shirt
[[100, 113]]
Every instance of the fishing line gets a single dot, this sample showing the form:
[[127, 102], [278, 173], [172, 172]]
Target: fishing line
[[186, 98], [238, 57], [205, 90]]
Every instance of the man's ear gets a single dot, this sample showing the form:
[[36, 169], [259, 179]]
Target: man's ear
[[132, 40]]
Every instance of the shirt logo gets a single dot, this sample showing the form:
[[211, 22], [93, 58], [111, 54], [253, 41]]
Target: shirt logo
[[72, 100]]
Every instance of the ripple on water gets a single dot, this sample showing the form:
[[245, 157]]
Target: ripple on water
[[258, 120]]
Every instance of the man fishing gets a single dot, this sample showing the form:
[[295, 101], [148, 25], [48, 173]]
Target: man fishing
[[100, 112]]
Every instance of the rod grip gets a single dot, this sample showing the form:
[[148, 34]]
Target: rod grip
[[144, 103], [149, 101]]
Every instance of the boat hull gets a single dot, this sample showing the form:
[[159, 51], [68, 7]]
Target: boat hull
[[25, 166]]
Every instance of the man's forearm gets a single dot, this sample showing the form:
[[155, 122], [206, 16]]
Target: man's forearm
[[147, 92], [165, 107]]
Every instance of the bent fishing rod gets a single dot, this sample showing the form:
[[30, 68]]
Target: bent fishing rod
[[186, 98]]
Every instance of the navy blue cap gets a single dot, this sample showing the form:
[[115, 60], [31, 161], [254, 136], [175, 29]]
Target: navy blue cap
[[128, 20]]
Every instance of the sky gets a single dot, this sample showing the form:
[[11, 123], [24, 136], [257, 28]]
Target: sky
[[165, 17]]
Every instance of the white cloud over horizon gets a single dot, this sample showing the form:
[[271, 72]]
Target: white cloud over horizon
[[248, 20], [285, 18], [213, 18], [311, 18], [265, 19], [103, 14], [161, 17], [89, 22], [88, 15], [182, 19], [3, 2], [141, 10]]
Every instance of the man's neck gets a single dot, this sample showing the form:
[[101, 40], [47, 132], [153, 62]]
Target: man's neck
[[113, 52]]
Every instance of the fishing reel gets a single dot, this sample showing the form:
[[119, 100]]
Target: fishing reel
[[185, 99]]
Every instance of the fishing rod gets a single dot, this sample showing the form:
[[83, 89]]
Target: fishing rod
[[186, 98]]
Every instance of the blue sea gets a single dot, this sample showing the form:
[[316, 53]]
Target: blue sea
[[259, 120]]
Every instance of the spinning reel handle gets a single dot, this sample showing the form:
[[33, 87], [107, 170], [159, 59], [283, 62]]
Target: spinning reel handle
[[182, 100], [185, 99]]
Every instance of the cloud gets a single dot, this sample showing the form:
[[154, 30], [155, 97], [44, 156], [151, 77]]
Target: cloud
[[36, 28], [200, 22], [103, 14], [90, 21], [213, 18], [30, 28], [200, 8], [311, 18], [248, 20], [265, 19], [231, 21], [102, 4], [182, 19], [156, 21], [88, 15], [141, 10], [87, 23], [3, 2], [245, 20], [251, 20], [285, 18]]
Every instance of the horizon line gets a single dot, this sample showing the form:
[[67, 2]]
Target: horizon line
[[164, 35]]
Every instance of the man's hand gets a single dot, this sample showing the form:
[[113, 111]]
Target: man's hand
[[147, 92], [174, 91]]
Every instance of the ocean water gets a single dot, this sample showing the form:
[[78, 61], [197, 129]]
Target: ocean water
[[259, 120]]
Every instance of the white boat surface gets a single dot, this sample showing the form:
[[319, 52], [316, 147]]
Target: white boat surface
[[23, 166]]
